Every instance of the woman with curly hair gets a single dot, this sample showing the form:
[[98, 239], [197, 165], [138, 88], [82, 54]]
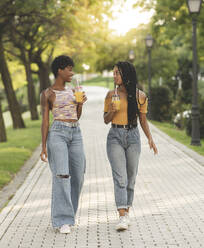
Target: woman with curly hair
[[62, 144]]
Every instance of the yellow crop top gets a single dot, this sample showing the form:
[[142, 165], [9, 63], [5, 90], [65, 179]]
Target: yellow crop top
[[121, 117]]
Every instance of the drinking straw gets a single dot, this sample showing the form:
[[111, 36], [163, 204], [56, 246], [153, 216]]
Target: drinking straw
[[116, 91], [77, 83]]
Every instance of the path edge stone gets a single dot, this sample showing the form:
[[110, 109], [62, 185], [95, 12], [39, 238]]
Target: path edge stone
[[194, 155], [8, 191]]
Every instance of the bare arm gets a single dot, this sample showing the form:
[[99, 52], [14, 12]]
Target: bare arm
[[145, 128], [79, 107], [144, 125], [45, 124], [79, 110]]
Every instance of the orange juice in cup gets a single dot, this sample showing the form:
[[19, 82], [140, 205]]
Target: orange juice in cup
[[79, 94], [116, 101]]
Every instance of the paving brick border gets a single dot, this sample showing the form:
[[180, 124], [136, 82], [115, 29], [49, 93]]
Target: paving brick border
[[199, 158], [9, 190]]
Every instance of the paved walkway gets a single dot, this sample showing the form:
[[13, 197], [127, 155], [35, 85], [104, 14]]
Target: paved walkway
[[168, 207]]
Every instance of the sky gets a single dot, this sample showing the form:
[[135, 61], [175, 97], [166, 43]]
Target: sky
[[127, 17]]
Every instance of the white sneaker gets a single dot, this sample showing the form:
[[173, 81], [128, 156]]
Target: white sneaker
[[65, 229], [127, 218], [122, 224]]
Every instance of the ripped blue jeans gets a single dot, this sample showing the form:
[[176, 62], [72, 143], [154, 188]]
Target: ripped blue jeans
[[123, 150], [67, 163]]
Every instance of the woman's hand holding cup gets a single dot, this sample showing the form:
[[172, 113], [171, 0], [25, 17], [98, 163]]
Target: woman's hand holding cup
[[112, 107], [84, 98]]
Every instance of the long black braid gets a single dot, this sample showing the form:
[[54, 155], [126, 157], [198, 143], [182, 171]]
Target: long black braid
[[129, 78]]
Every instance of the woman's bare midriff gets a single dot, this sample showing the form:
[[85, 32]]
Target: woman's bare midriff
[[66, 120]]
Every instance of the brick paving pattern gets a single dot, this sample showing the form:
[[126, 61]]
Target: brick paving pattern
[[168, 207]]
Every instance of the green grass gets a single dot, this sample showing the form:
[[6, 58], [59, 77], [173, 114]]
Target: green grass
[[100, 81], [19, 147], [179, 135]]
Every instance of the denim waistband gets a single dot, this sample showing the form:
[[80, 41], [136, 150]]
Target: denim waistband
[[64, 123]]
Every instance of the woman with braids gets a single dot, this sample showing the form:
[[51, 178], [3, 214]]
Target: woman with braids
[[123, 141]]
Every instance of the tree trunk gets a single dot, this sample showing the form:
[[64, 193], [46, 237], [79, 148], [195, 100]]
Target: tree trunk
[[10, 93], [43, 70], [30, 87], [43, 74], [3, 137]]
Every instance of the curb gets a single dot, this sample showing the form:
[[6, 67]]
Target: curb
[[194, 155], [8, 191]]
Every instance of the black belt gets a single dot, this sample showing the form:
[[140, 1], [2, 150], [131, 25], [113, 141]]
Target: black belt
[[124, 126]]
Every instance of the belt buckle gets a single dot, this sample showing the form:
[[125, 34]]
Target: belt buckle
[[71, 124], [68, 124], [74, 124], [125, 127]]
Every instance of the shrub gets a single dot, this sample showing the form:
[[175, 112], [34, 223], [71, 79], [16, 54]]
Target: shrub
[[181, 119], [161, 100]]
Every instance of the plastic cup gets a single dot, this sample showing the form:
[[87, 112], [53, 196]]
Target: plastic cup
[[79, 94], [116, 101]]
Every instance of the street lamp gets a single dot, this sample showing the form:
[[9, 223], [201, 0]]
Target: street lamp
[[194, 7], [131, 55], [149, 43]]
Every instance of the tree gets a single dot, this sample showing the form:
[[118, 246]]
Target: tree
[[28, 35], [87, 31], [171, 24], [116, 48], [3, 137], [10, 93], [6, 16]]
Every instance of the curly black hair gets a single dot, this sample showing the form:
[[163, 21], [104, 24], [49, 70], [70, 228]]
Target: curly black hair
[[129, 78], [61, 62]]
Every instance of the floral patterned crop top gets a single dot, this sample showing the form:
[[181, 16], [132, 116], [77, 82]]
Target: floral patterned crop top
[[64, 106]]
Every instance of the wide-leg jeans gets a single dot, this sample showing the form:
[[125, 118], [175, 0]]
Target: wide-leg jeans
[[67, 163]]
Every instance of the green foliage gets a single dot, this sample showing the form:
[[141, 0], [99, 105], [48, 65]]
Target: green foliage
[[185, 69], [161, 100], [20, 145], [89, 31], [171, 25], [35, 31], [164, 62]]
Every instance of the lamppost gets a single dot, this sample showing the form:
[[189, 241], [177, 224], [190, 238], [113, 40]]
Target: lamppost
[[194, 7], [149, 43], [131, 56]]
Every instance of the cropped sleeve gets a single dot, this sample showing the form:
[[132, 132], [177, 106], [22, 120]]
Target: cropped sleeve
[[143, 107], [142, 101]]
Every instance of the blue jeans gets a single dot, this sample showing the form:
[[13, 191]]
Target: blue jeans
[[123, 149], [67, 163]]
